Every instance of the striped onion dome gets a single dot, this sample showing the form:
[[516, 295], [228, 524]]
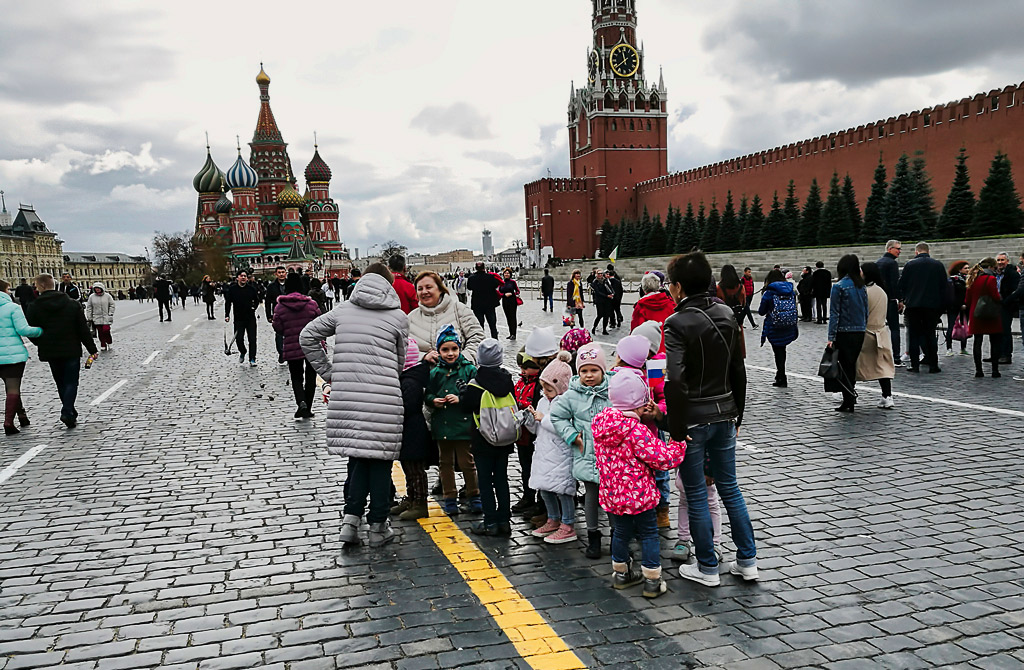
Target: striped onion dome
[[241, 175], [207, 180], [223, 205], [317, 170], [289, 197]]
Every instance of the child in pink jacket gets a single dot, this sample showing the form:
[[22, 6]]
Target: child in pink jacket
[[628, 455]]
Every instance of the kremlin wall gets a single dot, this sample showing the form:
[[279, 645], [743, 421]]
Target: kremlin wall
[[618, 149]]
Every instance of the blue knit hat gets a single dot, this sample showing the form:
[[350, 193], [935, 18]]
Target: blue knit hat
[[448, 334]]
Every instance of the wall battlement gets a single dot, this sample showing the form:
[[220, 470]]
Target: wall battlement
[[559, 185]]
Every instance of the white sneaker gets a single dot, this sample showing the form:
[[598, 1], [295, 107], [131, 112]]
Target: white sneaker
[[837, 397], [888, 403], [881, 403], [949, 352], [692, 572], [749, 574]]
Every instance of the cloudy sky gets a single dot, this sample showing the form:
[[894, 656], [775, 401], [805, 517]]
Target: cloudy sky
[[432, 115]]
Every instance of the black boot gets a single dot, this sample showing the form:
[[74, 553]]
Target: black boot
[[524, 503], [593, 544]]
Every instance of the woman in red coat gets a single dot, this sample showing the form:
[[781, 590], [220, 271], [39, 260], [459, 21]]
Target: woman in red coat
[[655, 305], [982, 283]]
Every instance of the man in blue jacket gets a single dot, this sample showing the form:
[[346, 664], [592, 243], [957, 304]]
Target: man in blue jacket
[[923, 287]]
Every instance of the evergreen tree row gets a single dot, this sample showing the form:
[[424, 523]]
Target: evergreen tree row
[[903, 208]]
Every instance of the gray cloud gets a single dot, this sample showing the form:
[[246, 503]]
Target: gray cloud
[[858, 43], [459, 119]]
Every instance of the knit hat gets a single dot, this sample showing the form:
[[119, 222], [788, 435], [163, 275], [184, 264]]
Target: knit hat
[[557, 373], [652, 331], [489, 353], [448, 334], [412, 354], [575, 338], [627, 391], [542, 342], [632, 350], [591, 354]]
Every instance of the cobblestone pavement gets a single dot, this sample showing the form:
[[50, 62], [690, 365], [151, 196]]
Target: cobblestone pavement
[[189, 522]]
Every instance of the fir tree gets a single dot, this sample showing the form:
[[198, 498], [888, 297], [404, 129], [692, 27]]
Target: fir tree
[[927, 219], [902, 215], [709, 235], [852, 211], [790, 216], [773, 224], [729, 232], [741, 221], [835, 229], [702, 224], [875, 227], [643, 233], [998, 211], [810, 220], [755, 222], [957, 216], [671, 230], [607, 238], [626, 246], [657, 238], [686, 239]]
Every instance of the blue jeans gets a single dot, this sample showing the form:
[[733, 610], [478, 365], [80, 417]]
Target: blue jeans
[[492, 478], [368, 477], [559, 507], [719, 441], [65, 373], [663, 480], [548, 302], [644, 527]]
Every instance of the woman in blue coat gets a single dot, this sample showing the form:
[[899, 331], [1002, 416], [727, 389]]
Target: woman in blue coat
[[778, 306], [13, 355]]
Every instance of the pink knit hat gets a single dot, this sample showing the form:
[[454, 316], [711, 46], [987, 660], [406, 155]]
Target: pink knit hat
[[412, 354], [632, 350], [591, 354], [557, 373], [575, 338], [627, 391]]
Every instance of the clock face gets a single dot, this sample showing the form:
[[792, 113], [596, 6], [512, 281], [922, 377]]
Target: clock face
[[624, 60], [592, 62]]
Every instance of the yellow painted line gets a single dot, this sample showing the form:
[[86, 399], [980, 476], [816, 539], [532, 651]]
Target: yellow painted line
[[534, 639]]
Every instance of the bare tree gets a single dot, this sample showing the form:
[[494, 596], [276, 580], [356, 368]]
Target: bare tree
[[392, 248], [176, 256]]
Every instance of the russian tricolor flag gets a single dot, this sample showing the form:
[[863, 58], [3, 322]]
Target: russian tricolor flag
[[655, 371]]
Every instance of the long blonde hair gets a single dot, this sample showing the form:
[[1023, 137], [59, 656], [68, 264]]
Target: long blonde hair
[[976, 270]]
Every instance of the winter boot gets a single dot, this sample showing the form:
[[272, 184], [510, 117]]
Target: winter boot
[[416, 510], [995, 369], [593, 544], [350, 529], [10, 408], [451, 506], [523, 503], [624, 575], [400, 507], [476, 505], [654, 585], [663, 520], [380, 534]]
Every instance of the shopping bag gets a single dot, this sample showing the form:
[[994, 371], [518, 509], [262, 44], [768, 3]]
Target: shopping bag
[[960, 329]]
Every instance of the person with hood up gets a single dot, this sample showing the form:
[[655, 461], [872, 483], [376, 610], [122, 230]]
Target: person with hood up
[[572, 418], [419, 451], [655, 305], [365, 413], [627, 456], [778, 307], [99, 311], [293, 311], [13, 355], [491, 460]]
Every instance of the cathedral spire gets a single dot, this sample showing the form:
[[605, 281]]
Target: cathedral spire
[[266, 125]]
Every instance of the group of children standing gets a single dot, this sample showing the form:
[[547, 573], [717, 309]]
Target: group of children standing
[[572, 419]]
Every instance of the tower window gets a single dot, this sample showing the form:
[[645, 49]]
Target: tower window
[[631, 125], [648, 125], [995, 102], [614, 126]]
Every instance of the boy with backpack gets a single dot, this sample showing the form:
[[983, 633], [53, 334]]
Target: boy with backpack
[[778, 306], [496, 427]]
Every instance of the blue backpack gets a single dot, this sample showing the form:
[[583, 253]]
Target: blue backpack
[[784, 313]]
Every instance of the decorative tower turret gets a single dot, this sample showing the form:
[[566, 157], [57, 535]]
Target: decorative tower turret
[[291, 202], [246, 231], [223, 209], [269, 158], [207, 183], [321, 210]]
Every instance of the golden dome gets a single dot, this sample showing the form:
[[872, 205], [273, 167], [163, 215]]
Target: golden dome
[[262, 77]]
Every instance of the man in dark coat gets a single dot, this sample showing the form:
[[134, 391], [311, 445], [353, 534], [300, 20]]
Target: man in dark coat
[[615, 309], [25, 295], [923, 287], [162, 291], [274, 291], [821, 282], [65, 331], [603, 298], [547, 291], [805, 289], [889, 267], [244, 297], [484, 287], [1007, 279]]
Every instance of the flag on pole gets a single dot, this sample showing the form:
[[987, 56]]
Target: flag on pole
[[613, 254]]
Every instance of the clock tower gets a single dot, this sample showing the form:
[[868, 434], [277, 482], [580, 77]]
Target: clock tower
[[618, 121]]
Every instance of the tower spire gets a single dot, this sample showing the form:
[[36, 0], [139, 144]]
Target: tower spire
[[3, 202], [266, 125]]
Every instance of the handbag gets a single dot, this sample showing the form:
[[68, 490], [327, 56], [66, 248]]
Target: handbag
[[959, 329], [986, 308], [519, 301], [828, 368]]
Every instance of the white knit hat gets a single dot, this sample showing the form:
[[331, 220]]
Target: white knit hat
[[541, 342]]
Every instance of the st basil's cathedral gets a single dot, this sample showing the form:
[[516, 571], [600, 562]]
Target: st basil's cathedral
[[267, 222]]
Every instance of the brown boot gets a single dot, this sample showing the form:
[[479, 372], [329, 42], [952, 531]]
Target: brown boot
[[663, 520], [417, 510]]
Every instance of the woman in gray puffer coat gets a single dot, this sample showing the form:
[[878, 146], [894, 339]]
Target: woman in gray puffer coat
[[365, 412], [99, 311]]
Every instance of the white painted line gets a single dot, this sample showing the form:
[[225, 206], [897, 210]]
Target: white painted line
[[109, 392], [195, 319], [186, 327], [174, 338], [875, 389], [149, 359], [9, 471]]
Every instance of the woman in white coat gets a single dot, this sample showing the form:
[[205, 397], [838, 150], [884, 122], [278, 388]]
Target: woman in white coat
[[876, 356], [99, 311], [437, 309]]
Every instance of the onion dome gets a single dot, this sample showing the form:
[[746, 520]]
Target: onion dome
[[241, 175], [262, 77], [289, 197], [317, 170], [207, 180], [223, 205]]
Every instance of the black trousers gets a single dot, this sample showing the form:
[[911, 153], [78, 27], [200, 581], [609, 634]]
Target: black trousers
[[161, 304], [805, 307], [487, 313], [246, 325], [303, 389], [616, 312], [780, 363], [510, 307], [849, 345], [921, 337], [994, 342], [822, 305], [209, 311], [525, 455], [492, 476], [603, 310], [368, 477]]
